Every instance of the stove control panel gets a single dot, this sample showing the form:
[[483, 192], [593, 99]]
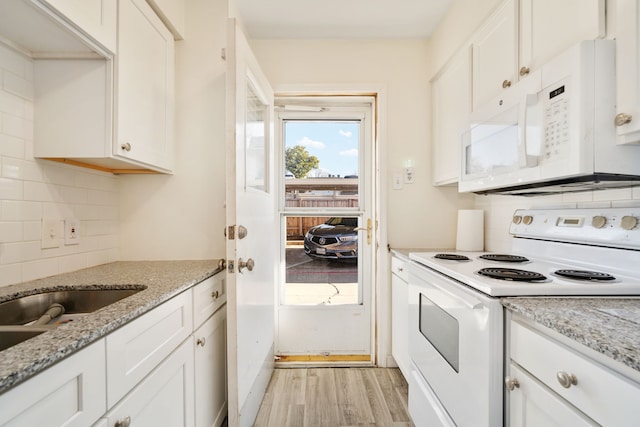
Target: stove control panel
[[612, 227]]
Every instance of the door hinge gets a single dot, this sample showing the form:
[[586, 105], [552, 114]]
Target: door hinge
[[223, 54]]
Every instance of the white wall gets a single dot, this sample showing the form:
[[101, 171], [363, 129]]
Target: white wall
[[464, 17], [33, 189], [419, 215], [182, 216]]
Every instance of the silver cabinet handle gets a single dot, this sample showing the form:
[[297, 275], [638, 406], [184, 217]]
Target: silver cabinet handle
[[125, 422], [511, 383], [622, 119], [215, 294], [249, 264], [524, 71], [566, 380], [200, 342], [506, 84], [126, 146]]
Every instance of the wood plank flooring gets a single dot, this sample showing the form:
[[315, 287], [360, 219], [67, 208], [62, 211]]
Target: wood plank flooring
[[335, 397]]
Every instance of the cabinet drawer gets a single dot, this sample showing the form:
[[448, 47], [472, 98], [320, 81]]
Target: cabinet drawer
[[601, 393], [208, 296], [398, 268], [139, 346], [70, 393]]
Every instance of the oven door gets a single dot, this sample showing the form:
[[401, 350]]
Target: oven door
[[456, 344]]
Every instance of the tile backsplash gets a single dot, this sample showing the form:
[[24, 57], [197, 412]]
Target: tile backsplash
[[32, 190]]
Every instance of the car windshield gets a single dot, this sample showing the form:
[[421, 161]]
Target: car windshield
[[353, 222]]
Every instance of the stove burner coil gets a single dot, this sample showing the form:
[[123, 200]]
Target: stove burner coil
[[453, 257], [504, 258], [512, 274], [585, 275]]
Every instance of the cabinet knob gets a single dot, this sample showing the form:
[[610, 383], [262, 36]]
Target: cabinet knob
[[511, 383], [126, 146], [215, 294], [200, 342], [524, 71], [622, 119], [125, 422], [506, 84], [566, 380]]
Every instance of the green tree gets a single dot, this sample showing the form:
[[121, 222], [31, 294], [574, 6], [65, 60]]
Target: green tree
[[298, 161]]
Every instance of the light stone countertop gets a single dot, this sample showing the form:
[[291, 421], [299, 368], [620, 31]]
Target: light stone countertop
[[608, 325], [162, 279]]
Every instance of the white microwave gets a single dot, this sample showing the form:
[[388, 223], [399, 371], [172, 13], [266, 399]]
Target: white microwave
[[552, 131]]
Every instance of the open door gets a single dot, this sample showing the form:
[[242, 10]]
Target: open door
[[251, 231]]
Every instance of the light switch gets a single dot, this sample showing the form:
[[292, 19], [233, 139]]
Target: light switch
[[397, 181], [50, 233]]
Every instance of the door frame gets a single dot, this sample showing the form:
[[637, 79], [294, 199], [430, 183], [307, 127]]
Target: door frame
[[381, 287]]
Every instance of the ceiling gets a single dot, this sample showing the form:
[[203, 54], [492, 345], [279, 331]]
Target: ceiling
[[341, 19]]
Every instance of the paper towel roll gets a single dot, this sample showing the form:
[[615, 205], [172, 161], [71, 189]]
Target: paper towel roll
[[470, 236]]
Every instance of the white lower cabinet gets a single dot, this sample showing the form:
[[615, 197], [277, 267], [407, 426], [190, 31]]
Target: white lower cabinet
[[164, 398], [70, 393], [554, 382], [400, 315], [210, 370]]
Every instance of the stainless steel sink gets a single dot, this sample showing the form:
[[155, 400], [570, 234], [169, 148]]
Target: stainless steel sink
[[12, 335], [27, 309]]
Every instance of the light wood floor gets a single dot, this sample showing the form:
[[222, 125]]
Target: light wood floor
[[335, 397]]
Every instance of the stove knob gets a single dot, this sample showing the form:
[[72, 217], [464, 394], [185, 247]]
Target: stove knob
[[517, 219], [598, 221], [528, 219], [628, 222]]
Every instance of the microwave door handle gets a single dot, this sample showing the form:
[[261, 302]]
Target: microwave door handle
[[525, 160]]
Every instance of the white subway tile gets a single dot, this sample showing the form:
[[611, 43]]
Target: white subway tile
[[13, 105], [10, 274], [21, 169], [618, 194], [102, 257], [18, 86], [72, 195], [39, 269], [40, 192], [17, 126], [102, 198], [16, 210], [57, 210], [11, 231], [72, 262], [87, 180], [15, 62], [11, 189], [20, 252], [32, 230], [58, 174], [10, 146]]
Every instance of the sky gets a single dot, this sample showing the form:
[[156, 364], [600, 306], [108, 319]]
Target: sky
[[335, 144]]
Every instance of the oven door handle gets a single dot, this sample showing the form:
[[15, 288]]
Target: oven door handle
[[466, 300]]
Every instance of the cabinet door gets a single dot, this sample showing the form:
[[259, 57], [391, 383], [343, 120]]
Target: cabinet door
[[451, 95], [70, 393], [97, 18], [145, 86], [547, 27], [164, 398], [532, 405], [139, 346], [210, 370], [494, 50], [628, 71]]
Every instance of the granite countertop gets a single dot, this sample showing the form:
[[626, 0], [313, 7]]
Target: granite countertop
[[608, 325], [161, 279]]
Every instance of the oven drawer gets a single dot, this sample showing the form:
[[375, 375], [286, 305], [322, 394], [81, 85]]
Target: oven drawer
[[599, 392]]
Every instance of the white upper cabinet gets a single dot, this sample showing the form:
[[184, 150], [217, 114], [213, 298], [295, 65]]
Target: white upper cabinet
[[451, 98], [144, 86], [520, 36], [628, 71], [494, 51], [96, 18], [547, 27]]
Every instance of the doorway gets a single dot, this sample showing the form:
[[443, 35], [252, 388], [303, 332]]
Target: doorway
[[325, 147]]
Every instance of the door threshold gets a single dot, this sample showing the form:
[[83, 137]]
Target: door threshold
[[320, 360]]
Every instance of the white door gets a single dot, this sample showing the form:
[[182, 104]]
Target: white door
[[250, 210], [328, 229]]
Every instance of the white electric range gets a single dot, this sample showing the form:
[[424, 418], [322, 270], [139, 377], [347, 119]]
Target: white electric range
[[456, 318]]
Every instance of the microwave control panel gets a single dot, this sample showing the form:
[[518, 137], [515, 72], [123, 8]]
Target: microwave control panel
[[556, 121]]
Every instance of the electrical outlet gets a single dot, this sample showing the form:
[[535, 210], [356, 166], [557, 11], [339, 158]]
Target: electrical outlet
[[50, 233], [71, 231], [409, 177]]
